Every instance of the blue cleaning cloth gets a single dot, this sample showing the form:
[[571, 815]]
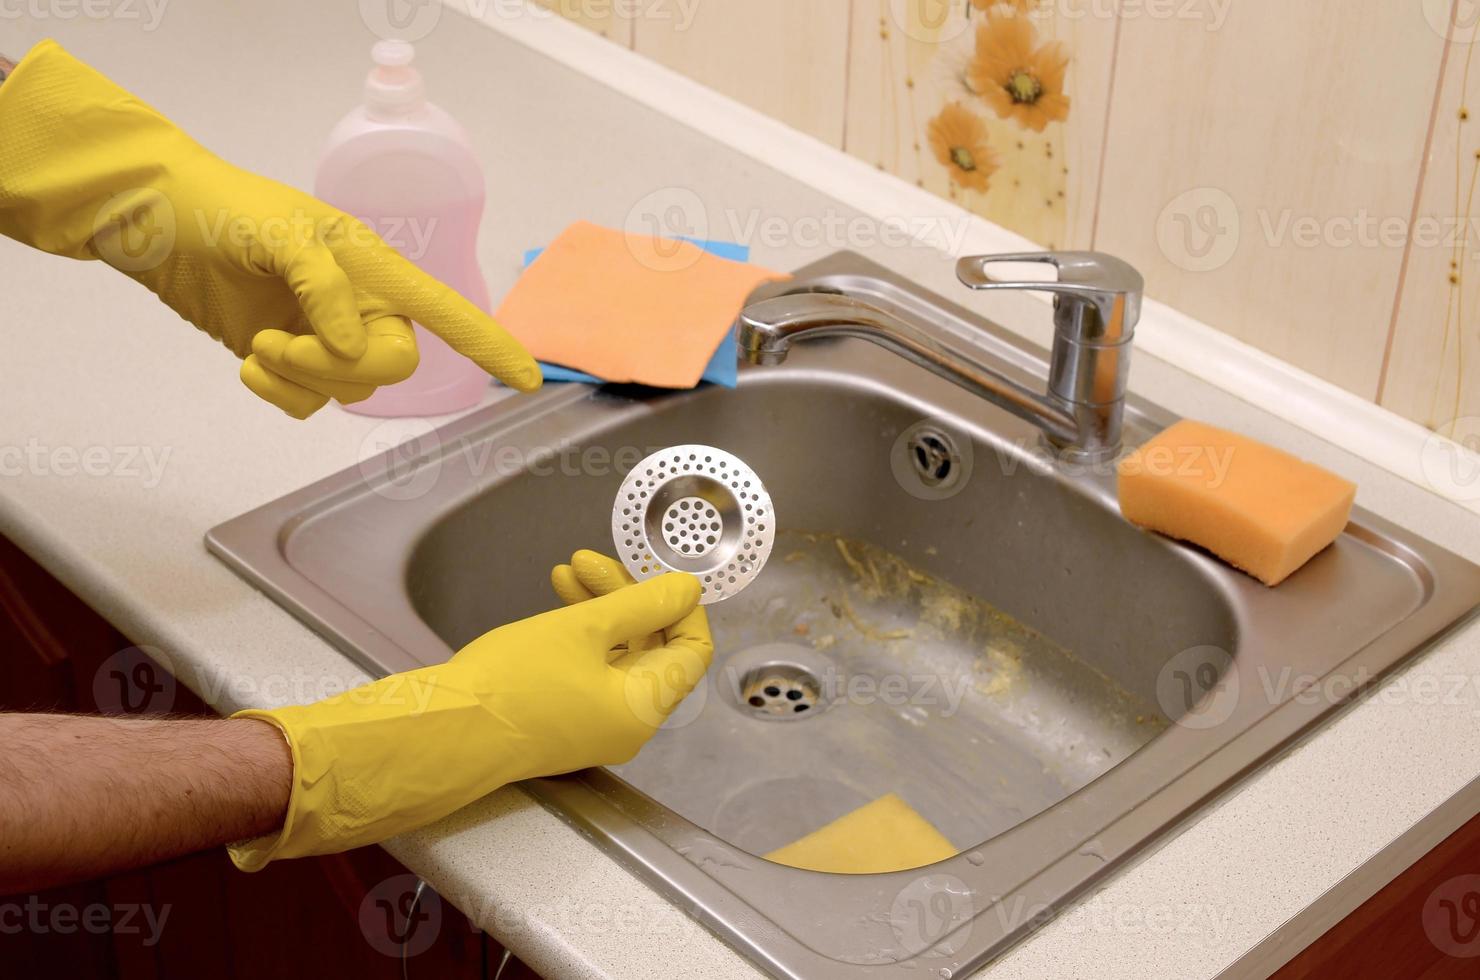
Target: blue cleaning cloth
[[722, 368]]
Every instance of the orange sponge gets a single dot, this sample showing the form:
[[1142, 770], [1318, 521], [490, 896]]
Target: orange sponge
[[1259, 509]]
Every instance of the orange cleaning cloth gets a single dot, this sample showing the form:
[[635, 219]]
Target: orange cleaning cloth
[[1259, 509], [628, 308]]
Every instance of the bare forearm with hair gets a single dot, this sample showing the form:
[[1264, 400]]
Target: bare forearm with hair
[[82, 796]]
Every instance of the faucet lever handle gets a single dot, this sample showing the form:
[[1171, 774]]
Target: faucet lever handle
[[1087, 281], [1097, 301]]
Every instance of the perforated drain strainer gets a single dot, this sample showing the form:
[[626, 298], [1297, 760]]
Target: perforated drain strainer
[[694, 509]]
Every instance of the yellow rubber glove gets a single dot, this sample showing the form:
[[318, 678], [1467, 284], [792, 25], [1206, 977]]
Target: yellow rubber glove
[[591, 574], [317, 304], [542, 696]]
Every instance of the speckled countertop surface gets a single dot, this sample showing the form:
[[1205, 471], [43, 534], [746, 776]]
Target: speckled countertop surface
[[91, 360]]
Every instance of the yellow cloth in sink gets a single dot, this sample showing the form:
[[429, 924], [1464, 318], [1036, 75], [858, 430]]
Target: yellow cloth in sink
[[885, 835]]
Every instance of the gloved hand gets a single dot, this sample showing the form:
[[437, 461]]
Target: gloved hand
[[591, 574], [542, 696], [316, 303]]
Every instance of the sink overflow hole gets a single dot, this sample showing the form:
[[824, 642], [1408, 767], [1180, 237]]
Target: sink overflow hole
[[933, 456], [779, 692]]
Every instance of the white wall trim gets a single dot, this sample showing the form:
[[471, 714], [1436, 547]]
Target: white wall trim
[[1356, 425]]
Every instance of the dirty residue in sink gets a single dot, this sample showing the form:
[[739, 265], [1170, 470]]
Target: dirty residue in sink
[[845, 673], [862, 597]]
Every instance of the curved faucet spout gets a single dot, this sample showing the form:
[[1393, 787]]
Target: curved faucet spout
[[1097, 303], [768, 328]]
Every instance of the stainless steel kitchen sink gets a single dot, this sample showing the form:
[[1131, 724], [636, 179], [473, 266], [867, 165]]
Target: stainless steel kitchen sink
[[951, 613]]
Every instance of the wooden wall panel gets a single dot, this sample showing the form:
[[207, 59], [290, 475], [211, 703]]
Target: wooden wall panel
[[786, 58], [612, 20], [1433, 373], [1263, 163], [908, 59], [1243, 159]]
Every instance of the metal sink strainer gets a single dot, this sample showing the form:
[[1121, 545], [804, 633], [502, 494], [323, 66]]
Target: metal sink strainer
[[694, 509]]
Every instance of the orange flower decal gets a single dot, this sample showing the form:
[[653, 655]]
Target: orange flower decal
[[959, 140], [1016, 79]]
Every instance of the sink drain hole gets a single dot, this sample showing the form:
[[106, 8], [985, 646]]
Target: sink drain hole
[[779, 692]]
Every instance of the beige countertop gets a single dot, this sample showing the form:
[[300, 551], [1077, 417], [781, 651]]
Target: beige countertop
[[94, 366]]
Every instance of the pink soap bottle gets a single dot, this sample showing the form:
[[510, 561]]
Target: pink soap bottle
[[406, 168]]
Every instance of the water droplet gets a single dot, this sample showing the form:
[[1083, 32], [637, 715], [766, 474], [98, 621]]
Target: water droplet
[[976, 858], [914, 714]]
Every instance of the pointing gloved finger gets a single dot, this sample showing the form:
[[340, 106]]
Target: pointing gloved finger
[[442, 310], [390, 355], [328, 300], [269, 346], [292, 398]]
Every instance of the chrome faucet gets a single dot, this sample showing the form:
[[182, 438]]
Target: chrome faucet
[[1097, 301]]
